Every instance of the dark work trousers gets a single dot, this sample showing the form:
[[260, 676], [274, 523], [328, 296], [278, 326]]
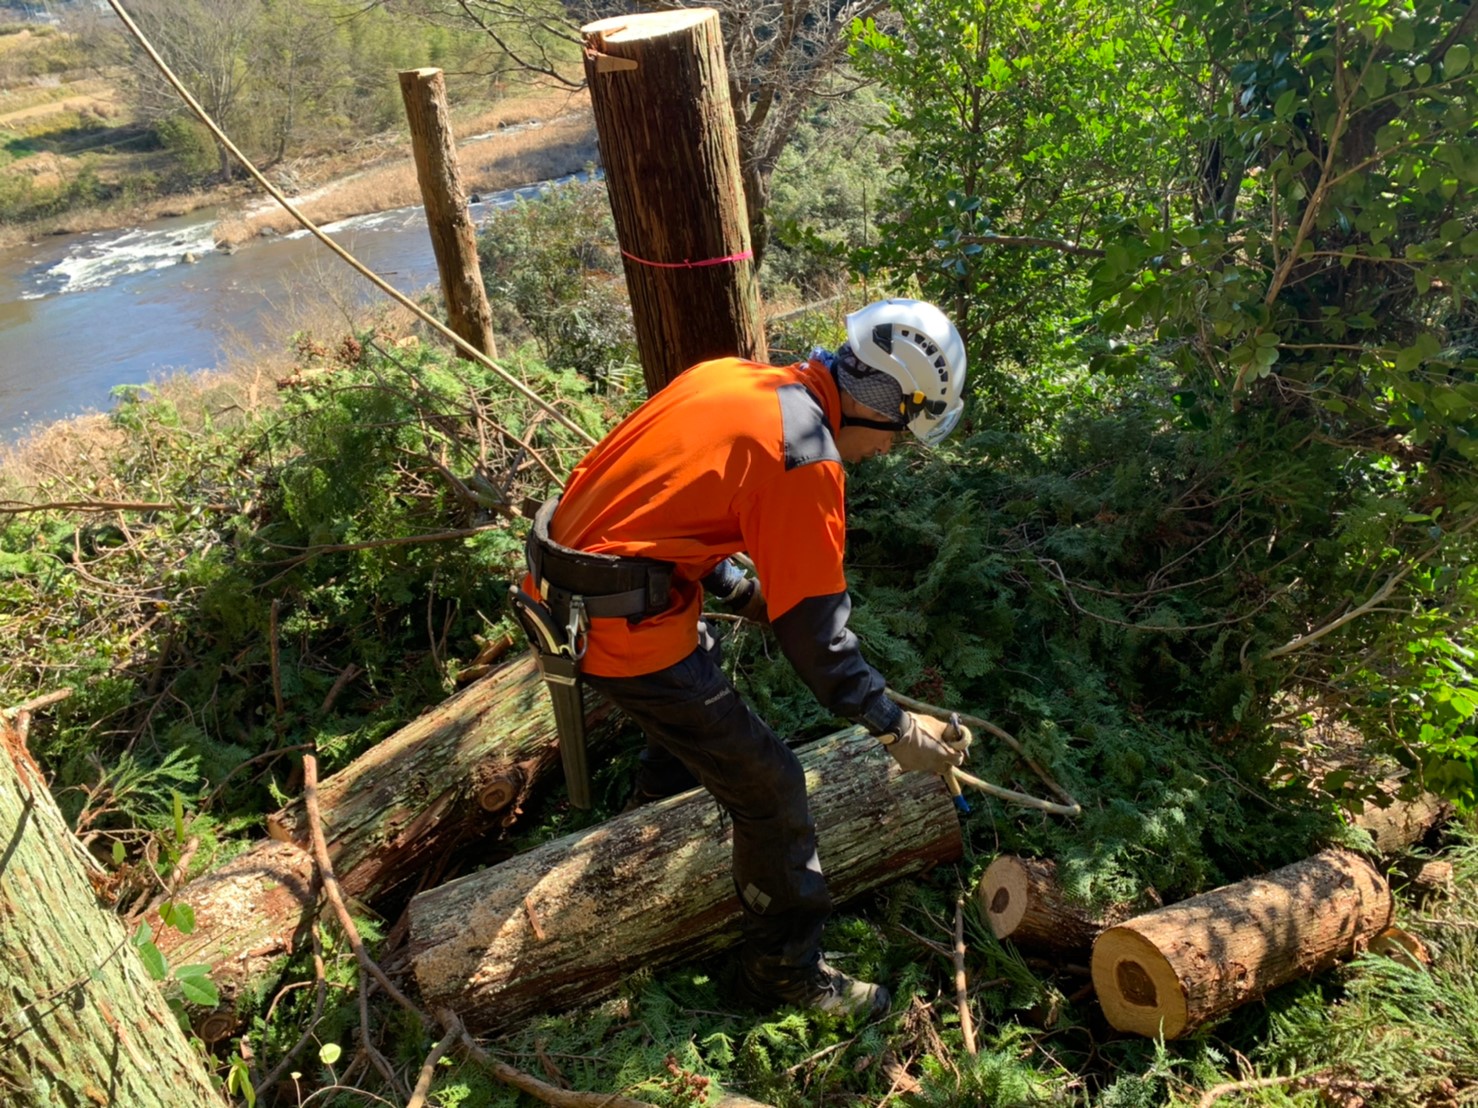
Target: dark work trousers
[[699, 728]]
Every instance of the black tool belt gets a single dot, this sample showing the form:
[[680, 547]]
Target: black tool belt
[[595, 586]]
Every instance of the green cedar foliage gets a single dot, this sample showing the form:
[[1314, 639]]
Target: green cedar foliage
[[1226, 287], [371, 519]]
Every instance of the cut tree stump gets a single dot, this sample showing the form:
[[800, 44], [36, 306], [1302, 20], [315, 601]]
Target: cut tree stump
[[82, 1022], [1173, 969], [249, 917], [1022, 901], [564, 923], [460, 772], [660, 90]]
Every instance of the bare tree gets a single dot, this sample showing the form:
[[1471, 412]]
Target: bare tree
[[781, 55], [209, 44]]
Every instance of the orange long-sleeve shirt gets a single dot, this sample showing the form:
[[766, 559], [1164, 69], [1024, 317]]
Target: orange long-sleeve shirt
[[730, 456]]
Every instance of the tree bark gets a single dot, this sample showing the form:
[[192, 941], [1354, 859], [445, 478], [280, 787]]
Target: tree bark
[[249, 916], [564, 923], [660, 90], [1402, 822], [458, 773], [1173, 969], [453, 237], [1023, 902], [81, 1022]]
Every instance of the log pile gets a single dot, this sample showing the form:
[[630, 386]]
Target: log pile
[[459, 772], [1170, 971], [564, 923], [455, 774]]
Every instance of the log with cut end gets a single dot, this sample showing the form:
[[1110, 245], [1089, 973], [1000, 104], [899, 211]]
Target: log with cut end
[[1173, 969], [1022, 901], [457, 773], [564, 923], [1400, 823], [249, 916]]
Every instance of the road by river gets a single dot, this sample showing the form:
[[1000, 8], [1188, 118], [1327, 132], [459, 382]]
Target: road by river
[[81, 314]]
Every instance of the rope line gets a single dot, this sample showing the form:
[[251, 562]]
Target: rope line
[[364, 271], [742, 256]]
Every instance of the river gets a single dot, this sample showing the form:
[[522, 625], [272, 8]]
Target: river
[[81, 314]]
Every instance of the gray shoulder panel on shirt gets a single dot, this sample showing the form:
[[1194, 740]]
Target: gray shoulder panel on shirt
[[807, 435]]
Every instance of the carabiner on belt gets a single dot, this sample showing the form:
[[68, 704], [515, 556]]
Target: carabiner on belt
[[577, 637]]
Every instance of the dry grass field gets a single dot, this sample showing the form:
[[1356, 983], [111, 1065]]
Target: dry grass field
[[519, 141], [56, 126]]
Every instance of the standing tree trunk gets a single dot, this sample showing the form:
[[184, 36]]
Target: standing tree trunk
[[660, 90], [564, 923], [1171, 970], [81, 1022], [453, 238]]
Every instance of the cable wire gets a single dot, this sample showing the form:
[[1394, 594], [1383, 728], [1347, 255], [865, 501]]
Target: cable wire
[[370, 275]]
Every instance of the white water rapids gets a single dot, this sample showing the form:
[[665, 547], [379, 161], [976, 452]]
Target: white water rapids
[[81, 314]]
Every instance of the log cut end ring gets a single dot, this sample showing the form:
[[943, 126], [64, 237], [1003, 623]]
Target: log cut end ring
[[1137, 986], [1003, 896], [620, 28]]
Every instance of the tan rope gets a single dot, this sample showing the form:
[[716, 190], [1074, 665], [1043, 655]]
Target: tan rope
[[374, 278]]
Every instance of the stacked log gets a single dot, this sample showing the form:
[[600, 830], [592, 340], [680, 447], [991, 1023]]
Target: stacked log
[[564, 923], [1170, 971], [458, 773], [249, 915], [461, 771]]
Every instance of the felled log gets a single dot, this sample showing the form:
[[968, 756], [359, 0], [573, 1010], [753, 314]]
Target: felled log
[[1402, 822], [458, 772], [1173, 969], [1022, 901], [82, 1021], [564, 923], [249, 916], [461, 771]]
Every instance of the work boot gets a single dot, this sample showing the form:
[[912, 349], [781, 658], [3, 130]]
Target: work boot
[[822, 988]]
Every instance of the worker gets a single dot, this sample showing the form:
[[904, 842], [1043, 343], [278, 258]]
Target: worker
[[737, 456]]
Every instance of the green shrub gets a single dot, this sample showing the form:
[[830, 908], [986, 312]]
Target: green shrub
[[191, 145], [551, 267]]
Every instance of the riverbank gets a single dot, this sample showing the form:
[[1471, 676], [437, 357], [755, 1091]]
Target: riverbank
[[541, 134]]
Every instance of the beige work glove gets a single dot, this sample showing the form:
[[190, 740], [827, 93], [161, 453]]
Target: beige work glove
[[927, 745], [751, 607]]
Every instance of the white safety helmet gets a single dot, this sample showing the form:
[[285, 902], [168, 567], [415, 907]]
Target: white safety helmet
[[914, 343]]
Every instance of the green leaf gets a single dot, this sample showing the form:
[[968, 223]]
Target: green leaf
[[199, 989], [179, 916], [1455, 60], [329, 1053], [118, 852], [153, 961]]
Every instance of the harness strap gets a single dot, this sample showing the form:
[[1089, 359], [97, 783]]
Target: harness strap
[[609, 586]]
